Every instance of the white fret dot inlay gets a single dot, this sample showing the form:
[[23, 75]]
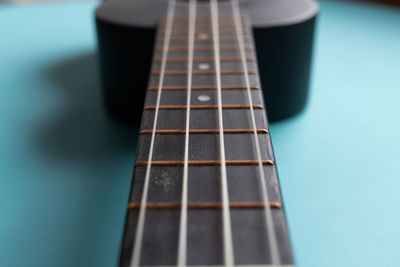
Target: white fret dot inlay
[[204, 66], [203, 36], [203, 98]]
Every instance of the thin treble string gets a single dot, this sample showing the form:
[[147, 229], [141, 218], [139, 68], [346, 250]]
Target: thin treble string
[[273, 244], [140, 226], [183, 222], [227, 230]]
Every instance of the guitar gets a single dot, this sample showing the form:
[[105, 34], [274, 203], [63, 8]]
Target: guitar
[[205, 188]]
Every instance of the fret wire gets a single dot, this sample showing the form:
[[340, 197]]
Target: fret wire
[[203, 72], [257, 106], [207, 40], [227, 38], [201, 27], [268, 215], [202, 18], [204, 21], [182, 32], [205, 59], [204, 162], [206, 49], [227, 229], [184, 202], [206, 205], [204, 131], [205, 87], [239, 265], [199, 24], [135, 260]]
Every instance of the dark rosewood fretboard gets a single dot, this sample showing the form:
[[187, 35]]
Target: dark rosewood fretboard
[[251, 240]]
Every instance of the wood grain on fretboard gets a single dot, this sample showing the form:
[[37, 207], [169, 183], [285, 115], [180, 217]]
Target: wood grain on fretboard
[[204, 237]]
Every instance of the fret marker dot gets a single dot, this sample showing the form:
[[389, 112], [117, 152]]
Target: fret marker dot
[[203, 36], [204, 66], [203, 98]]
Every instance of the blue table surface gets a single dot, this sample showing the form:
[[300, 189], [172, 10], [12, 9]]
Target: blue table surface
[[66, 169]]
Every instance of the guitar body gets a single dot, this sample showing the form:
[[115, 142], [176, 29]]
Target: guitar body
[[205, 188], [283, 34]]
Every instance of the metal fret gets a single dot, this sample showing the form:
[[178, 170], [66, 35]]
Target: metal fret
[[205, 68], [204, 72], [204, 107], [205, 49], [202, 18], [205, 131], [205, 59], [238, 265], [205, 87], [204, 162], [201, 40], [206, 119], [205, 31], [200, 27], [232, 205]]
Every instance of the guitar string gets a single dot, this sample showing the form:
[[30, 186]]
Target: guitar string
[[227, 230], [183, 221], [273, 244], [140, 225]]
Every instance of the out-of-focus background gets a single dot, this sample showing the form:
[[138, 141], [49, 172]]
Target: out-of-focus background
[[65, 168]]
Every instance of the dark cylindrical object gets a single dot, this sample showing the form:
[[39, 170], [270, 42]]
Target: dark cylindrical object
[[125, 60], [284, 57]]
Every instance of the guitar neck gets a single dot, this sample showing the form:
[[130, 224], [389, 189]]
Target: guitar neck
[[205, 188]]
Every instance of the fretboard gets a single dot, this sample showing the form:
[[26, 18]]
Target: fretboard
[[251, 212]]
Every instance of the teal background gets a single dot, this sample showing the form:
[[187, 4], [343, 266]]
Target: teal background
[[65, 169]]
